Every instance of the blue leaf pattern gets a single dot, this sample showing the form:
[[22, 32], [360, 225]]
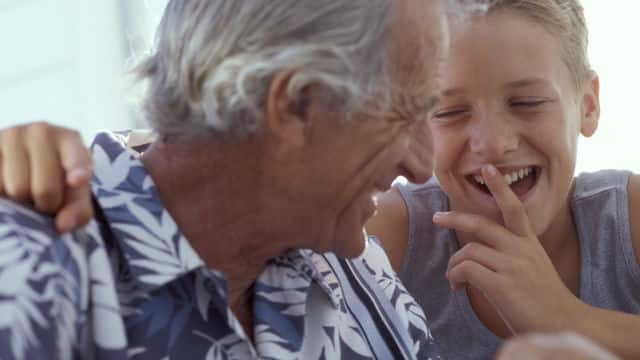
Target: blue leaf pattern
[[130, 286]]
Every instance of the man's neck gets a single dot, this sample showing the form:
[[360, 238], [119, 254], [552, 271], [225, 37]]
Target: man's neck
[[213, 194]]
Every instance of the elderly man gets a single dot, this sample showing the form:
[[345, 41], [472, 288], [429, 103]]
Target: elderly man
[[237, 233]]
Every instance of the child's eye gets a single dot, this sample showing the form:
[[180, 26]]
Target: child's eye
[[528, 104]]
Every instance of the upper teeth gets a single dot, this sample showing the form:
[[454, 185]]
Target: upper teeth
[[509, 178]]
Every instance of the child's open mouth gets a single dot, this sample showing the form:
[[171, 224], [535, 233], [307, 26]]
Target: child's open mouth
[[521, 181]]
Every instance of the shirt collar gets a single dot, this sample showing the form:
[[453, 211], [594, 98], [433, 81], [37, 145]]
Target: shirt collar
[[153, 246]]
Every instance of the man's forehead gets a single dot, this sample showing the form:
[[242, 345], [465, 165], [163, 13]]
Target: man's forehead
[[411, 106]]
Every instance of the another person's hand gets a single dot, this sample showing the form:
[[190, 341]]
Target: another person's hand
[[559, 346], [50, 167]]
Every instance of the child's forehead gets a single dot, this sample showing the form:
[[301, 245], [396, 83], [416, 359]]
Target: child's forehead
[[499, 56]]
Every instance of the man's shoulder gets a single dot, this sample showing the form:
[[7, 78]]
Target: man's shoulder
[[48, 283], [34, 253], [15, 215], [28, 237], [24, 232]]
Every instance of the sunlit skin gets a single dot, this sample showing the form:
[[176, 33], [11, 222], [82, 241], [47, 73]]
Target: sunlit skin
[[509, 102]]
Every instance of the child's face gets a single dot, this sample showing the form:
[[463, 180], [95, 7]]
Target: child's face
[[509, 100]]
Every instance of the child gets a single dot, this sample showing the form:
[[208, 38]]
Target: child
[[549, 252]]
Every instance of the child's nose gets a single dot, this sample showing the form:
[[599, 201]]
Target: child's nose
[[493, 136]]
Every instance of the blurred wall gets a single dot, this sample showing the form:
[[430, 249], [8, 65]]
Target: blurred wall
[[64, 60]]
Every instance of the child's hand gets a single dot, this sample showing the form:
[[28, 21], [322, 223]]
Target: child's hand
[[509, 265], [50, 167]]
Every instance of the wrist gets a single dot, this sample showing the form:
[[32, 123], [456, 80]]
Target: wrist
[[579, 317]]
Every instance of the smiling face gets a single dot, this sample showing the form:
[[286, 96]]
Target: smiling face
[[509, 100], [325, 181]]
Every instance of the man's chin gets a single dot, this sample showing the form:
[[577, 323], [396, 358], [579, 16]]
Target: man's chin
[[349, 247]]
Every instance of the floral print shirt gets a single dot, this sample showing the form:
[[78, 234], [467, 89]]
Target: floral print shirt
[[130, 286]]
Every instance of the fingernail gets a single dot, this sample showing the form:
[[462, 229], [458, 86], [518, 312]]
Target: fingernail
[[438, 215], [66, 225], [491, 170]]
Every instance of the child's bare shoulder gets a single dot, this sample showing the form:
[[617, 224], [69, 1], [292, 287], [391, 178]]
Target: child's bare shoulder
[[391, 226]]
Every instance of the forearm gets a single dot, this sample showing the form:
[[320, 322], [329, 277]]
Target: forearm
[[618, 332]]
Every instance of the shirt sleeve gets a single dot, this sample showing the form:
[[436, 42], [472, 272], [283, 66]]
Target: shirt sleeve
[[41, 286]]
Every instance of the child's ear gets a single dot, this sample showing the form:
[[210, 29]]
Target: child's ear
[[590, 112]]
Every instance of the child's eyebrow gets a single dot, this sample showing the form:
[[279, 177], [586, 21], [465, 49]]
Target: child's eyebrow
[[527, 82], [435, 100], [452, 92]]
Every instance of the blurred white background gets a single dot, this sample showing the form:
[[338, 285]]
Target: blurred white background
[[63, 61]]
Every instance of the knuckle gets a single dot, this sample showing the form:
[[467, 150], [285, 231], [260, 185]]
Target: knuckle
[[474, 223], [47, 198], [466, 268], [470, 250], [36, 133], [17, 191], [71, 134], [40, 128], [11, 134]]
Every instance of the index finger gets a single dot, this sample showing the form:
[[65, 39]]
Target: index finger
[[77, 210], [75, 158], [513, 212]]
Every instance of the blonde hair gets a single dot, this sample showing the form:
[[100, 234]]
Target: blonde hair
[[562, 18]]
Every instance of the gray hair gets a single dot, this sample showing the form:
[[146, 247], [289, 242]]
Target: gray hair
[[214, 60]]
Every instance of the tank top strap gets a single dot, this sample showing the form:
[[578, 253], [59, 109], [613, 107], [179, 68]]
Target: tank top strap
[[610, 275]]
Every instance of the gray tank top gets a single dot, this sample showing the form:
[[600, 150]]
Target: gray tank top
[[610, 274]]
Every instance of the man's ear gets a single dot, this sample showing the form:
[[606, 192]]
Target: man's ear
[[286, 117], [590, 112]]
